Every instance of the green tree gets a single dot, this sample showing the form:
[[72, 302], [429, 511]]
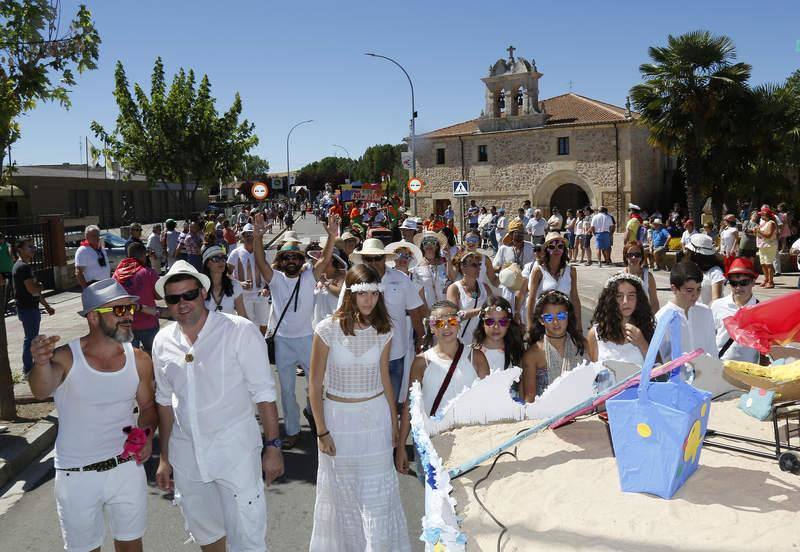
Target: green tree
[[37, 63], [253, 167], [177, 135], [683, 97], [328, 170]]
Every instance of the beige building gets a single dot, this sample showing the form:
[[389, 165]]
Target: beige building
[[567, 151]]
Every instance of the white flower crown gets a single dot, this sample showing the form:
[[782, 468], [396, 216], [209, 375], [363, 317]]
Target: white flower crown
[[355, 288], [624, 276]]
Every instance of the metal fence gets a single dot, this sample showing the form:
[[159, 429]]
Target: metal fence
[[38, 233]]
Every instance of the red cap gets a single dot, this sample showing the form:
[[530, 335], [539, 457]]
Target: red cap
[[688, 221], [741, 265]]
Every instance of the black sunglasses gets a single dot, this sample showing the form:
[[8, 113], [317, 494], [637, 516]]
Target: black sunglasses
[[743, 282], [190, 295], [634, 255]]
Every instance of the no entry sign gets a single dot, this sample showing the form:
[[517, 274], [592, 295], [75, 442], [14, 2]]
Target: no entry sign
[[415, 185]]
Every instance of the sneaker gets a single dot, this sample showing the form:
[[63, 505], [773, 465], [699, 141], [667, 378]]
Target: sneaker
[[300, 372]]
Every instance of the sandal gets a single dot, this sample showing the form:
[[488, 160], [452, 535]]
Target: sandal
[[290, 441]]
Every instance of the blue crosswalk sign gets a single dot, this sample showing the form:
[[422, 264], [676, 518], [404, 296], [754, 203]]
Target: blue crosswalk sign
[[460, 188]]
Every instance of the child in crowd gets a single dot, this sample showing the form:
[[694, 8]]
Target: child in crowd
[[499, 335]]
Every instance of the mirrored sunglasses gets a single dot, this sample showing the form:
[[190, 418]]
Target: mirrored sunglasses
[[554, 246], [440, 323], [190, 295], [549, 317], [502, 322], [119, 310]]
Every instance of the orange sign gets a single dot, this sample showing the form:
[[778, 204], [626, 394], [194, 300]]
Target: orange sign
[[259, 190], [415, 185]]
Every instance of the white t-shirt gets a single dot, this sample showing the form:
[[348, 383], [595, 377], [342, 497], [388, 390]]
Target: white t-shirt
[[723, 308], [227, 305], [154, 244], [500, 229], [536, 227], [687, 236], [400, 295], [244, 269], [601, 222], [506, 254], [555, 222], [710, 277], [727, 239], [698, 331], [298, 321], [88, 258]]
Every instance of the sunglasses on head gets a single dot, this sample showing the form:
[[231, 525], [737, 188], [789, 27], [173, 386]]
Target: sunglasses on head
[[440, 323], [119, 310], [554, 246], [502, 322], [634, 255], [744, 282], [190, 295], [549, 317]]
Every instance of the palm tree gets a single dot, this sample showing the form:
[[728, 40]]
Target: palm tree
[[683, 97]]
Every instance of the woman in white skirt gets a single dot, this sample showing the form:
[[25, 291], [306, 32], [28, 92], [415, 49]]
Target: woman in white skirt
[[358, 504]]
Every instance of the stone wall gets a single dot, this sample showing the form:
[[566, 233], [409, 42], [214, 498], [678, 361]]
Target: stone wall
[[525, 165]]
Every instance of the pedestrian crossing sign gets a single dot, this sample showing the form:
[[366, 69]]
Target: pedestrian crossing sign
[[460, 188]]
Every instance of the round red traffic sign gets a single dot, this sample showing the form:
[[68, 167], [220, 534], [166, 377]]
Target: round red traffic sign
[[415, 185], [259, 190]]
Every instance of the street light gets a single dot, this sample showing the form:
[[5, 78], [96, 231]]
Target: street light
[[349, 162], [413, 117], [288, 172]]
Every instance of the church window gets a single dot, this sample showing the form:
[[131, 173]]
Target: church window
[[563, 145], [483, 154], [440, 156]]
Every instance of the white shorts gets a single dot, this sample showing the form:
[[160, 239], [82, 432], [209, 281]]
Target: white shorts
[[235, 507], [83, 497], [257, 309]]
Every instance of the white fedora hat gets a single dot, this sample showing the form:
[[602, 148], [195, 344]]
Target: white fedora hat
[[182, 267], [372, 246], [415, 251]]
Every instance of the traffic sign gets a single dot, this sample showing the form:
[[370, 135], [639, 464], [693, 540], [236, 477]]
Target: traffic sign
[[415, 185], [460, 188], [405, 159], [259, 191]]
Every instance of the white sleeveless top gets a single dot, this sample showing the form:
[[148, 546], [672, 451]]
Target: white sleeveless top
[[325, 303], [496, 359], [467, 302], [353, 370], [627, 352], [93, 407], [432, 279], [548, 281], [436, 369]]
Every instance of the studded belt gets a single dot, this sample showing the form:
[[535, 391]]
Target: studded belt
[[103, 465]]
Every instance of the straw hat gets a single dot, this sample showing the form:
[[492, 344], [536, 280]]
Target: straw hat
[[553, 236], [511, 277], [316, 255], [372, 246], [514, 226], [290, 236], [344, 237], [702, 244], [415, 252], [431, 235]]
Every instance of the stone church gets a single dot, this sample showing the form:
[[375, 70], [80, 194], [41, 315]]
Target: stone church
[[568, 151]]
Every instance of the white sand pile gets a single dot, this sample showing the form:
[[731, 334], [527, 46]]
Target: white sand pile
[[563, 494]]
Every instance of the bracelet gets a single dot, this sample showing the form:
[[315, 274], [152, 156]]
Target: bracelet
[[321, 435]]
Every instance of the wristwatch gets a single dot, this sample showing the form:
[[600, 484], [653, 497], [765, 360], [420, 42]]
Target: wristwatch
[[277, 443]]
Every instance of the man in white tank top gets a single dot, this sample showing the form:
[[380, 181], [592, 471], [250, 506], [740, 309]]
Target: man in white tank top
[[211, 370], [96, 380]]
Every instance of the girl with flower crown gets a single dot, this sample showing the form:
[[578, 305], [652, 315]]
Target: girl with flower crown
[[622, 324], [358, 499], [499, 335]]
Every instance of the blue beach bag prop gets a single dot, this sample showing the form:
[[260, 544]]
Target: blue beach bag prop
[[658, 427]]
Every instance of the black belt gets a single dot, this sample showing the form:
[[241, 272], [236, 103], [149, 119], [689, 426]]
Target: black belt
[[103, 465]]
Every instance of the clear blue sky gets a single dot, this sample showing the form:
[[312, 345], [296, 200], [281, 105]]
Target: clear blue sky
[[304, 60]]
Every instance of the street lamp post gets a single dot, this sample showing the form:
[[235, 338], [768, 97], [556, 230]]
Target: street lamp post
[[349, 162], [288, 171], [413, 117]]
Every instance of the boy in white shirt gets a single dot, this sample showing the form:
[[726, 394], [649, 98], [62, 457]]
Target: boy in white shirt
[[697, 320]]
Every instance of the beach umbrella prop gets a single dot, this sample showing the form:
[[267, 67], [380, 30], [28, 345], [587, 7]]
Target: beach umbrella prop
[[658, 428], [774, 321]]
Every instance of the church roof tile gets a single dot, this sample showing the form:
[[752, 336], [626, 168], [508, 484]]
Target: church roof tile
[[565, 110]]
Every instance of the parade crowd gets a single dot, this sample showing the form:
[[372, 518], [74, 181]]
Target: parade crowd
[[382, 300]]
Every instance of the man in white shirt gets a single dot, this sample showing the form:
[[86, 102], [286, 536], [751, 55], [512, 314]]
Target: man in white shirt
[[210, 379], [514, 249], [500, 228], [96, 380], [402, 298], [449, 213], [536, 227], [697, 321], [242, 267], [741, 276], [601, 227], [292, 281], [91, 259], [556, 221], [472, 215]]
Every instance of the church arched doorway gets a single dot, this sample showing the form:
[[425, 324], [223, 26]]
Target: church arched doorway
[[569, 196]]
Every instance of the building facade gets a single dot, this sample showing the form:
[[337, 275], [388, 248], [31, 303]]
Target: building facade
[[568, 151]]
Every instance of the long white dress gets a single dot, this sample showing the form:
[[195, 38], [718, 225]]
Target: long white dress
[[627, 352], [358, 504]]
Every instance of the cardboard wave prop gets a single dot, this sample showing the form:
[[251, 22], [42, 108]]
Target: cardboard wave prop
[[775, 321]]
